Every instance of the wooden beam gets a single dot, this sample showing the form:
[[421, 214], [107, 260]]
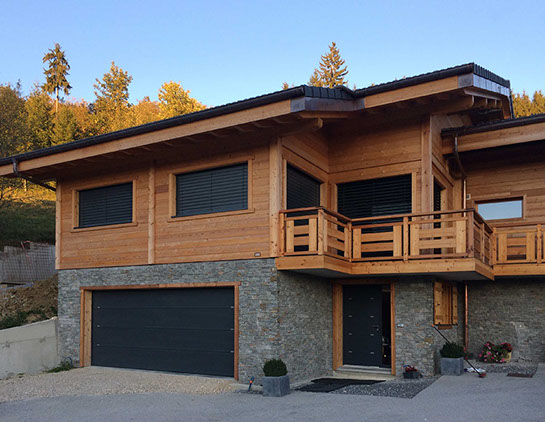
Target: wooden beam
[[275, 193], [58, 226], [151, 214], [232, 119], [426, 173], [496, 138]]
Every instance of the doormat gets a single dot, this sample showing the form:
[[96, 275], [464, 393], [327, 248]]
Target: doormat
[[518, 375], [327, 385]]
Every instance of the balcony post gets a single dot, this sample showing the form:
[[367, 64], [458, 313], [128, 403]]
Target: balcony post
[[321, 236], [405, 238], [282, 234], [348, 241], [539, 237], [493, 247], [470, 234]]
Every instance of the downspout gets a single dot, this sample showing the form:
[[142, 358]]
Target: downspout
[[464, 206], [30, 179]]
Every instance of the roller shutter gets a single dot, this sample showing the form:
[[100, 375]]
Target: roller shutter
[[302, 190], [106, 205], [212, 190], [375, 197]]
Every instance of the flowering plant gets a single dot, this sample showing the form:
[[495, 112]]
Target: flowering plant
[[492, 353], [409, 368]]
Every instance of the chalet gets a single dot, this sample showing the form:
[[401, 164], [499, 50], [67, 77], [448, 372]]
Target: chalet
[[328, 227]]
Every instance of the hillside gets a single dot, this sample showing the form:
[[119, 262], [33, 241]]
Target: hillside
[[29, 216]]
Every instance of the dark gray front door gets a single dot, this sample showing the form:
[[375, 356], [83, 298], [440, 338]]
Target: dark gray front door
[[180, 330], [362, 325]]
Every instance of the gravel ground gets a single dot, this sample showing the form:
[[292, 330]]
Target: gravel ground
[[405, 389], [529, 368], [94, 381]]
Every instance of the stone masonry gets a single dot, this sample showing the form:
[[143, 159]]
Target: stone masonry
[[508, 310], [281, 314], [417, 343]]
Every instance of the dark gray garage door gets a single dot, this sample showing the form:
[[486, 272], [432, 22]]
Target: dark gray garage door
[[181, 330]]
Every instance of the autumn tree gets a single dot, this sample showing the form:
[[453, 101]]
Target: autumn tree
[[111, 107], [523, 105], [39, 118], [331, 71], [13, 128], [175, 101], [56, 73], [146, 111], [66, 129]]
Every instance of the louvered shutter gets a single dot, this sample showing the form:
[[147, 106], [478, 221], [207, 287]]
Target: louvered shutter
[[302, 190], [439, 311], [455, 304], [375, 197], [106, 205], [213, 190]]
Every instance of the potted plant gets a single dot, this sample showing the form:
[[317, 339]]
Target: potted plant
[[276, 382], [452, 359], [411, 373]]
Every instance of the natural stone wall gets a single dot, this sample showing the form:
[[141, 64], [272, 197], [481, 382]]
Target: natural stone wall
[[508, 310], [306, 324], [294, 330], [417, 343]]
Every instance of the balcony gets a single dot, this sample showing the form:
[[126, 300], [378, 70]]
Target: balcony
[[518, 250], [456, 244]]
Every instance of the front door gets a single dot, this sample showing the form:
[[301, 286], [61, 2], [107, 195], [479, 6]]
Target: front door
[[362, 325]]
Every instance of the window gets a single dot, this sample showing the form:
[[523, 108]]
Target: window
[[211, 191], [500, 209], [303, 190], [105, 206], [445, 298], [375, 197]]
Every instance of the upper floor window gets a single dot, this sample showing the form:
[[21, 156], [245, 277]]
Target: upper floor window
[[500, 209], [375, 197], [105, 206], [213, 190], [302, 190]]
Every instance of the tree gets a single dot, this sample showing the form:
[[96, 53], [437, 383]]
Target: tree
[[146, 111], [13, 128], [39, 118], [175, 101], [65, 126], [56, 73], [112, 104], [331, 71], [524, 106]]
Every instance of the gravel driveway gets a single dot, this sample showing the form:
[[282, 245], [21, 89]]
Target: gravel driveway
[[93, 381]]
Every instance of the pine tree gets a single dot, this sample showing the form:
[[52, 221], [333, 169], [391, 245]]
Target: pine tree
[[56, 73], [332, 70], [112, 104]]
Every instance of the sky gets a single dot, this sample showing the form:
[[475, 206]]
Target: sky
[[224, 51]]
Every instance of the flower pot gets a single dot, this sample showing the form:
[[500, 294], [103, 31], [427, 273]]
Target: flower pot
[[452, 366], [412, 375], [276, 386], [507, 357]]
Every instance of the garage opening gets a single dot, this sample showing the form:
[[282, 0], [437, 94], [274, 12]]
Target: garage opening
[[188, 330]]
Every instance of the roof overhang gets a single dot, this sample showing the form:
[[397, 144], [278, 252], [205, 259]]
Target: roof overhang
[[278, 113]]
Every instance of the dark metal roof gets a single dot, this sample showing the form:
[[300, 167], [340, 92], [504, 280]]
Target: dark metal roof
[[337, 93], [497, 125], [434, 76]]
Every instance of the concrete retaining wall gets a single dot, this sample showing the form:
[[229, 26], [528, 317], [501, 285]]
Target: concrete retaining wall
[[29, 349]]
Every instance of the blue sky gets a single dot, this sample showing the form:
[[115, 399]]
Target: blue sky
[[224, 51]]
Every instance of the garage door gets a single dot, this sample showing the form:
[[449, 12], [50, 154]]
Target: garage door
[[180, 330]]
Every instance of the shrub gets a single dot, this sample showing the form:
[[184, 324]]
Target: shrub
[[275, 368], [64, 366], [452, 350]]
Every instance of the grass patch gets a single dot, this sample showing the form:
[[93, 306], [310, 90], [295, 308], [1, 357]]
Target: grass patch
[[65, 366], [29, 216]]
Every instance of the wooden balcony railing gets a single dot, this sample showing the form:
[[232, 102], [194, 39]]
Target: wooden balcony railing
[[518, 243], [433, 235]]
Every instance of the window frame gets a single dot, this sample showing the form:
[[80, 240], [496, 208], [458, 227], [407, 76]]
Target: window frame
[[494, 199], [75, 205], [209, 166]]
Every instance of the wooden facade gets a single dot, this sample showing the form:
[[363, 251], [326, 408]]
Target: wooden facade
[[392, 133]]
